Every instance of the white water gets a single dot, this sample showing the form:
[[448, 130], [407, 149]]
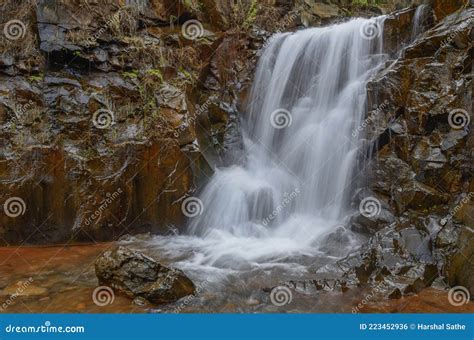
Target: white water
[[419, 21], [275, 208]]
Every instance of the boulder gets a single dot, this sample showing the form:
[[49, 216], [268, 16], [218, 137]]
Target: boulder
[[317, 12], [137, 275]]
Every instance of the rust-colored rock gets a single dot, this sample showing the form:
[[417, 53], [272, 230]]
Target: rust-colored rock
[[443, 8]]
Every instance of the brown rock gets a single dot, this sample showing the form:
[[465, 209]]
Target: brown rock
[[138, 275], [460, 269], [443, 8]]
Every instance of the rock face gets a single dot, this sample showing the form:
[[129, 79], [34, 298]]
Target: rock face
[[460, 254], [110, 116], [420, 127], [137, 275], [427, 161], [420, 176], [321, 12]]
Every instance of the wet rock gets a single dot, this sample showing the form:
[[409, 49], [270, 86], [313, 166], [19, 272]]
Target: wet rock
[[172, 97], [431, 157], [395, 294], [164, 9], [311, 287], [24, 289], [396, 30], [444, 8], [139, 301], [416, 242], [218, 12], [141, 71], [317, 12], [420, 164], [51, 29], [92, 214], [139, 276], [448, 235], [400, 261], [374, 217], [340, 242], [452, 139], [411, 280], [460, 268], [397, 179]]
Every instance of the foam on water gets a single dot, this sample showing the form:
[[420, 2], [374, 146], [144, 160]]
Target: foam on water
[[277, 206]]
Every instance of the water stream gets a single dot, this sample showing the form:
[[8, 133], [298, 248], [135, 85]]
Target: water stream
[[419, 19], [280, 212]]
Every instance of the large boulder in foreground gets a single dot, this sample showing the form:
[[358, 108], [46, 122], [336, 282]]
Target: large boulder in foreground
[[138, 275]]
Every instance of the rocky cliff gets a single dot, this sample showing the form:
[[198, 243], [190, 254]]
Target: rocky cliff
[[112, 113], [415, 196], [422, 170]]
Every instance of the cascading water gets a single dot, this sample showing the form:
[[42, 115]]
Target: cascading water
[[273, 210], [419, 18]]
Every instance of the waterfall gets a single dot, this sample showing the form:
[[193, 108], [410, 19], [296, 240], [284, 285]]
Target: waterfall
[[419, 20], [301, 143]]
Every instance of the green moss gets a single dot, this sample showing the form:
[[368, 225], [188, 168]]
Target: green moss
[[185, 73], [37, 77], [155, 73], [251, 14], [87, 153], [367, 2], [132, 74], [193, 5], [155, 114]]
